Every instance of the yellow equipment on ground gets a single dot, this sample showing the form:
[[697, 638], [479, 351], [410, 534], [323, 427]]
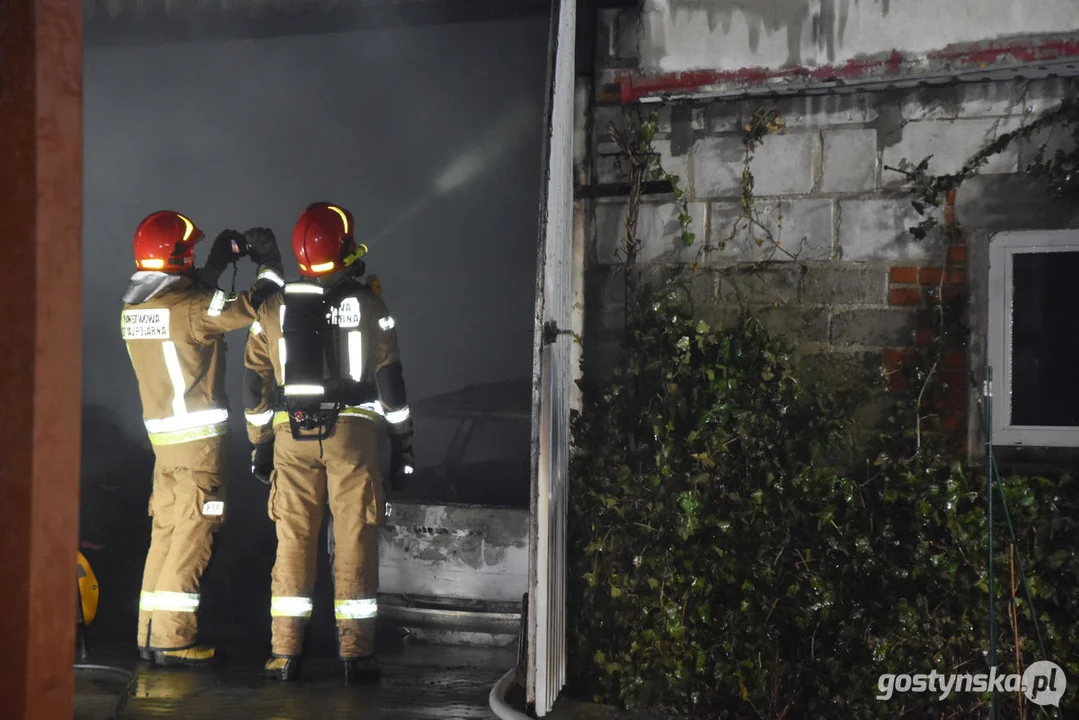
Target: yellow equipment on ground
[[88, 590], [86, 602]]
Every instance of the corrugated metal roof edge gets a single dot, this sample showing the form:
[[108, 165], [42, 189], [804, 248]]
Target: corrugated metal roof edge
[[1064, 68]]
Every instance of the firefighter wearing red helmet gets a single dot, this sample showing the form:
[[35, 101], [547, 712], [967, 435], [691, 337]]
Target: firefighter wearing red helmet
[[324, 382], [173, 322]]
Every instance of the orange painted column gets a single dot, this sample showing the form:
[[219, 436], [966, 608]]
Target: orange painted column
[[40, 352]]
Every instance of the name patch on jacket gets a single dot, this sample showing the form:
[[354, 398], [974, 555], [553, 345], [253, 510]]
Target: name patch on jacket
[[347, 315], [145, 324]]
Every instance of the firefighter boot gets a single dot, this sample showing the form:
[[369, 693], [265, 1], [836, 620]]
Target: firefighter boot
[[361, 671], [198, 656], [286, 669]]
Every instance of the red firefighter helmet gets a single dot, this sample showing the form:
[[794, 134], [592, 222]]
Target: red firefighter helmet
[[322, 240], [165, 241]]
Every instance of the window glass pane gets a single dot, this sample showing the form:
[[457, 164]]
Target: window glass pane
[[1045, 339]]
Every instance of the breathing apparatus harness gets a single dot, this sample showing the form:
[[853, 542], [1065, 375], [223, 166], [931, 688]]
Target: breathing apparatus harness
[[315, 391]]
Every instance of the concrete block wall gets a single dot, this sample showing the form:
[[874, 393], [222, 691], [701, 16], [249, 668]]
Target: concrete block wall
[[701, 35], [848, 283]]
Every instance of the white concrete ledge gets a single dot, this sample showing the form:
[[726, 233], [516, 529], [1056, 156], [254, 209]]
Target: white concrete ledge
[[454, 551]]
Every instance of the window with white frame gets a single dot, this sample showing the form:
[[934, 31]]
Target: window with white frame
[[1034, 337]]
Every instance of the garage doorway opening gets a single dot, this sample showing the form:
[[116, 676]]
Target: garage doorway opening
[[430, 133]]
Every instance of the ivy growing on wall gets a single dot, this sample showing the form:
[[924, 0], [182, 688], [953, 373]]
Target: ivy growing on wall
[[722, 567]]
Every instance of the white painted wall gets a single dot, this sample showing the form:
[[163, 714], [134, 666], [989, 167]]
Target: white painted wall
[[681, 35]]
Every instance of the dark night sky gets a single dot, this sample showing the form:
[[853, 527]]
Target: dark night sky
[[430, 136]]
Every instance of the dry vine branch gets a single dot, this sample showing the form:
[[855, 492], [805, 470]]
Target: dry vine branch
[[635, 144], [762, 123], [630, 242]]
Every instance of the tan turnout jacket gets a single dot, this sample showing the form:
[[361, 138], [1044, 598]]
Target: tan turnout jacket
[[174, 331]]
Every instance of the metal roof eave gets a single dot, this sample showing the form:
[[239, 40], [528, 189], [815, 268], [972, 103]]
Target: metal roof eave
[[1002, 59], [1056, 69]]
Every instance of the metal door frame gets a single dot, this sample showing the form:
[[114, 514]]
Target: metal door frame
[[553, 371]]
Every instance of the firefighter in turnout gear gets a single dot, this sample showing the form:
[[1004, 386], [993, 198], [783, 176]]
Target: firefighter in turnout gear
[[173, 322], [324, 381]]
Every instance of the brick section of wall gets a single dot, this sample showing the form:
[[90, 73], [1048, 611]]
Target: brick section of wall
[[915, 287], [825, 190]]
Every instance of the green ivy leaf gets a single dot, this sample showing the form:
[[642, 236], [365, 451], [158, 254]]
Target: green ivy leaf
[[1059, 557]]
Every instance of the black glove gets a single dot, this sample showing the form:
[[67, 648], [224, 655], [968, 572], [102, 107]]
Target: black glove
[[262, 462], [402, 461], [262, 245], [227, 247]]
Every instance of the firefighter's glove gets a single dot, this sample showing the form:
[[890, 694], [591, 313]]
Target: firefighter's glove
[[263, 248], [402, 462], [262, 462], [227, 247]]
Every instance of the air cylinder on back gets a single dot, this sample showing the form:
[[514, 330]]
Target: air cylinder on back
[[303, 328]]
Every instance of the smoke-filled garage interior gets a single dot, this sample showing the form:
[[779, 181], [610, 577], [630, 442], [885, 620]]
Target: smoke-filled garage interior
[[424, 120]]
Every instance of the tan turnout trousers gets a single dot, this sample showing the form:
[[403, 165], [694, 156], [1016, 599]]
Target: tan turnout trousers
[[348, 474], [187, 507], [174, 331]]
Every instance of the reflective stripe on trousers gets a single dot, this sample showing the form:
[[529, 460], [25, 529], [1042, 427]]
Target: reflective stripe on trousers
[[174, 601], [292, 607], [364, 609]]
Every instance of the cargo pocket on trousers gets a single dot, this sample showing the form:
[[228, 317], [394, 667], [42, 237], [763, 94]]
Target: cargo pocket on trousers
[[210, 505], [271, 500]]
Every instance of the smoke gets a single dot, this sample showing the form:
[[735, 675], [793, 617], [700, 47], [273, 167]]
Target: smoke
[[429, 135], [482, 156]]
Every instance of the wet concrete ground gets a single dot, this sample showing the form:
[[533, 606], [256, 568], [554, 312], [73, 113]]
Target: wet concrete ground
[[419, 681]]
